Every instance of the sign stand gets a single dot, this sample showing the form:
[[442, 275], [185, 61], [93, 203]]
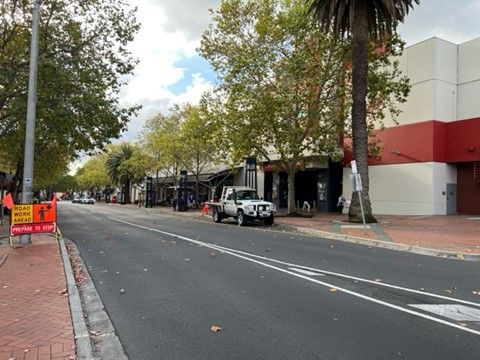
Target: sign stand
[[356, 182]]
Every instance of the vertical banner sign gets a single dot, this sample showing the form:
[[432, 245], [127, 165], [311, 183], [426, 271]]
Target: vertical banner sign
[[353, 163]]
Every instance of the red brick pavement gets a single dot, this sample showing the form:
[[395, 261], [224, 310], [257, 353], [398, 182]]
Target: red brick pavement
[[35, 320], [456, 233]]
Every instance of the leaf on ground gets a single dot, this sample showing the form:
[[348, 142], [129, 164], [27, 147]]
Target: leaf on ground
[[215, 328], [95, 333], [333, 290], [63, 292], [448, 291]]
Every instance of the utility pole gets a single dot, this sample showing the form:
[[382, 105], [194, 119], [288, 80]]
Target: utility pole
[[27, 194]]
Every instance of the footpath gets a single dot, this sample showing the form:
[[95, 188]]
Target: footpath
[[35, 320], [35, 315]]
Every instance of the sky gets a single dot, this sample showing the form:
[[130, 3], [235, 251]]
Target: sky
[[171, 72]]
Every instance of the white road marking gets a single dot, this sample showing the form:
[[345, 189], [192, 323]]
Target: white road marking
[[354, 226], [425, 293], [305, 272], [346, 291], [452, 311]]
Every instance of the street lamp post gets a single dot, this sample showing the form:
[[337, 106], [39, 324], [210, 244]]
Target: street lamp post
[[31, 112]]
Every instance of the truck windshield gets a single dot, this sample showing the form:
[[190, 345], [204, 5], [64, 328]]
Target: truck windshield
[[247, 195]]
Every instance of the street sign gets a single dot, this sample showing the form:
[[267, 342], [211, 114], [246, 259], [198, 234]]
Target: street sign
[[356, 182], [22, 214], [21, 229], [353, 163]]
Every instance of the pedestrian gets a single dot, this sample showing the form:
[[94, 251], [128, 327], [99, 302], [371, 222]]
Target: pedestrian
[[341, 204]]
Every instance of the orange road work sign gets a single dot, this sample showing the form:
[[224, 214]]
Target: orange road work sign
[[43, 213], [33, 214], [22, 214]]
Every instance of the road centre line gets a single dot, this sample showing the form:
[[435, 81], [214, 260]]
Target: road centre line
[[346, 291]]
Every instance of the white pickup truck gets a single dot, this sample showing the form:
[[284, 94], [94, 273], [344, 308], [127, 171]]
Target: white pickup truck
[[243, 204]]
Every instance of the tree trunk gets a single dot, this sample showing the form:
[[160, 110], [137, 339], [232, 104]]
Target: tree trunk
[[291, 192], [359, 111]]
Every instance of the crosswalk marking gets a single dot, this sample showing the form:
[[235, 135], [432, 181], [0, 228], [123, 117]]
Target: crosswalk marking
[[452, 311]]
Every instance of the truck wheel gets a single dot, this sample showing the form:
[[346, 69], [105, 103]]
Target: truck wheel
[[268, 221], [241, 221], [216, 215]]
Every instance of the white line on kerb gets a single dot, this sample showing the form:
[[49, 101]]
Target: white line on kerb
[[235, 253]]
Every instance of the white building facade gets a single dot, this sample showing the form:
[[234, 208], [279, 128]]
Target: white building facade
[[430, 163]]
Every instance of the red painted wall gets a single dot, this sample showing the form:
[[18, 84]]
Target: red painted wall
[[429, 141]]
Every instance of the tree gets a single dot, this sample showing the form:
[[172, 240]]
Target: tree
[[83, 63], [120, 167], [282, 91], [363, 20], [161, 140], [93, 173], [198, 146]]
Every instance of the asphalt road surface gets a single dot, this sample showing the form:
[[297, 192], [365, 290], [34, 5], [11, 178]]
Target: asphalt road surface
[[275, 295]]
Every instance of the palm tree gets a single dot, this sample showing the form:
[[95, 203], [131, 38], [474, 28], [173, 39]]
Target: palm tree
[[363, 20], [117, 173]]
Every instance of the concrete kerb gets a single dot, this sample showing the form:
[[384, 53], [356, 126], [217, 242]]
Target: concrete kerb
[[106, 344], [82, 336], [390, 245]]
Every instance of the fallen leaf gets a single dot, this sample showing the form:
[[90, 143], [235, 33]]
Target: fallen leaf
[[95, 333], [333, 290], [215, 328], [63, 292], [448, 291], [26, 350]]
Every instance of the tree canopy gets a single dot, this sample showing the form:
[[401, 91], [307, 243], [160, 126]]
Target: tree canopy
[[83, 63], [283, 90]]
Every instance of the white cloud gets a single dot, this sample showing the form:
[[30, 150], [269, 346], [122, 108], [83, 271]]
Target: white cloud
[[159, 48]]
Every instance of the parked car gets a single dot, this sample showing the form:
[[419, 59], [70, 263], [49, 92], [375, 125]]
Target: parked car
[[87, 200], [77, 200]]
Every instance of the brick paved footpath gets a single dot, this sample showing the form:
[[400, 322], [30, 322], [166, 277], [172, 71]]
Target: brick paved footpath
[[35, 320]]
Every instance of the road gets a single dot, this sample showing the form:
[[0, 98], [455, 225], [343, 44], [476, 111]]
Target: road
[[275, 295]]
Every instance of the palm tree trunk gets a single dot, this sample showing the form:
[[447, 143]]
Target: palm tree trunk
[[359, 110]]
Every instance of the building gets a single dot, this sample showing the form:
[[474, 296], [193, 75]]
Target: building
[[430, 163]]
